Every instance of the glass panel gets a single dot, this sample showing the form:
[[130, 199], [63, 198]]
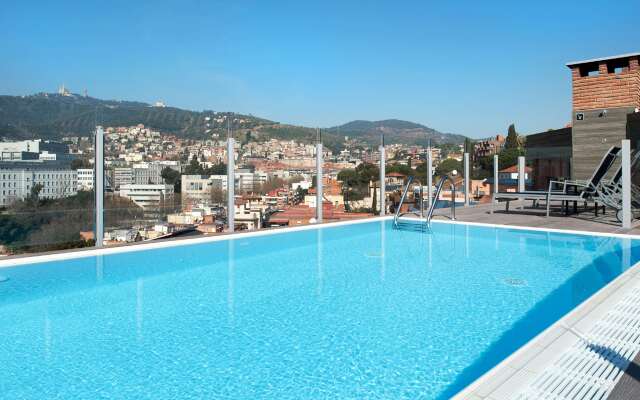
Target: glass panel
[[46, 192]]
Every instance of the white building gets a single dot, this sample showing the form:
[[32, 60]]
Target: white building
[[121, 177], [148, 196], [247, 181], [18, 178], [197, 189], [85, 179]]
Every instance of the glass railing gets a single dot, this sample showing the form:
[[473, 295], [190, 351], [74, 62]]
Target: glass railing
[[46, 203], [158, 186]]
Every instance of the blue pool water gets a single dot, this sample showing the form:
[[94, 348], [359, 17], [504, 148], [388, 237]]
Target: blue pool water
[[357, 311]]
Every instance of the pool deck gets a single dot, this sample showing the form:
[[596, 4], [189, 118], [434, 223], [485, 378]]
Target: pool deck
[[535, 218], [540, 368]]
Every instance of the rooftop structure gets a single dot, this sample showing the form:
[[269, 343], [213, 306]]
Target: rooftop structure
[[605, 91]]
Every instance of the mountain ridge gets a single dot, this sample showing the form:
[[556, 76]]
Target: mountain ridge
[[52, 116]]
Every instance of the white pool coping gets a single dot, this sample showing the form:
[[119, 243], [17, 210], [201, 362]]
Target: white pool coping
[[523, 366], [507, 375], [13, 261]]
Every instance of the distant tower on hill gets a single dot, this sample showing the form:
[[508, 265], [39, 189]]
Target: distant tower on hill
[[62, 91]]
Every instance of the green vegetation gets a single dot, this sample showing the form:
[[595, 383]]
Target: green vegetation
[[355, 182], [512, 141], [447, 166], [396, 131], [35, 225], [302, 134], [49, 116], [172, 177]]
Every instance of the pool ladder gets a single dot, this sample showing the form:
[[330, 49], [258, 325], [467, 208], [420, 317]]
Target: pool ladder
[[424, 224]]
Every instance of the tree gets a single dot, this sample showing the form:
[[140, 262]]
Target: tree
[[80, 163], [194, 167], [172, 177], [217, 195], [272, 184], [509, 157], [448, 165], [399, 168], [468, 145], [355, 182], [216, 169], [512, 141]]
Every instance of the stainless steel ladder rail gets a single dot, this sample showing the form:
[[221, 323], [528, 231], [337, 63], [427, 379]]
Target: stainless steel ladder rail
[[404, 195], [443, 180]]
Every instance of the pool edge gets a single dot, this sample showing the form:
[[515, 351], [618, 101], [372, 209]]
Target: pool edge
[[506, 372]]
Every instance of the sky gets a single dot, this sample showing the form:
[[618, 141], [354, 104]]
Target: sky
[[466, 67]]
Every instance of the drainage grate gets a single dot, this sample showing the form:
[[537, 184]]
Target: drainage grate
[[515, 282], [591, 370]]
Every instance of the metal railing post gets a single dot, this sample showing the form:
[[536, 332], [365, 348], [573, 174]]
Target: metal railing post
[[231, 185], [430, 178], [319, 194], [466, 179], [453, 201], [626, 184], [496, 174], [383, 186], [99, 186], [421, 191], [521, 173]]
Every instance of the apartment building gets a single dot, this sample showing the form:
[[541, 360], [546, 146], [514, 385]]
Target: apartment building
[[17, 179], [198, 189], [489, 147], [148, 196], [85, 179]]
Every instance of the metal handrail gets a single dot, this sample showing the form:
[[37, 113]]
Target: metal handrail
[[404, 195], [438, 190]]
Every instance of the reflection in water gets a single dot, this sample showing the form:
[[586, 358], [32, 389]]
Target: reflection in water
[[383, 264], [99, 268], [47, 333], [139, 305], [231, 266], [466, 241], [626, 254], [319, 267], [495, 231], [430, 241]]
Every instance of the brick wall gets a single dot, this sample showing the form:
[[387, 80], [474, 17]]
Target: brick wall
[[607, 90]]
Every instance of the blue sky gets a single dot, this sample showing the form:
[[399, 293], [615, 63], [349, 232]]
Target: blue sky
[[464, 67]]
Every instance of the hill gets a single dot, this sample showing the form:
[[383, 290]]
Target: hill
[[396, 131], [51, 116]]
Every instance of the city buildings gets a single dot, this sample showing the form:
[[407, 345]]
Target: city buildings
[[148, 196], [85, 179], [489, 147], [49, 179]]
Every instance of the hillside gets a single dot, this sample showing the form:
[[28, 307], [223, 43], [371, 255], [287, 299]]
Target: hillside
[[396, 131], [51, 116]]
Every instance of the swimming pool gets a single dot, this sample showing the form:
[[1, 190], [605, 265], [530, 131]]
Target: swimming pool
[[349, 311]]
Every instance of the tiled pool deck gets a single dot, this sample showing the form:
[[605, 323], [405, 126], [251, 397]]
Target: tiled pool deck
[[557, 363]]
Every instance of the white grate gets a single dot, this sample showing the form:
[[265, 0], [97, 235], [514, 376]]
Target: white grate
[[590, 370]]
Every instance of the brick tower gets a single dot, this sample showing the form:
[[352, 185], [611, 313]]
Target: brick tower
[[606, 94]]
